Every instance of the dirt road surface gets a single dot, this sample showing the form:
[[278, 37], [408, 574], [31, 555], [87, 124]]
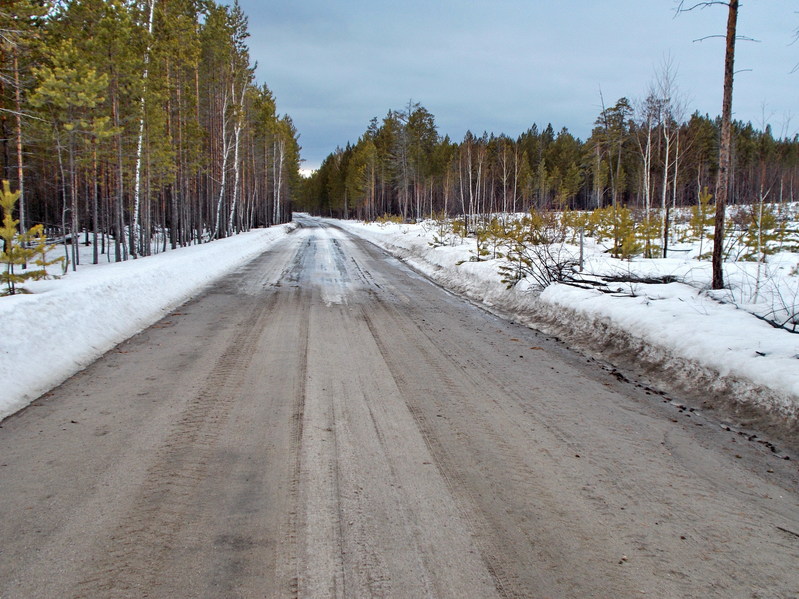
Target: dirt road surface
[[324, 422]]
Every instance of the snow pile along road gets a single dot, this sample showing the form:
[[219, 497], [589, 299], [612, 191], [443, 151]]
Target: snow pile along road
[[675, 335], [66, 324]]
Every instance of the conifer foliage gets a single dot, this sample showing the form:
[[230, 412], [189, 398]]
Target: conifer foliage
[[402, 166], [138, 124], [20, 250]]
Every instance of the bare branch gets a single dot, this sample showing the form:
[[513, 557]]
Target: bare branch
[[742, 38], [682, 8], [707, 37], [23, 114]]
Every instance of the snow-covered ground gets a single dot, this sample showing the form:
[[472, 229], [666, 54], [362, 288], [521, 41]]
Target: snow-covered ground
[[678, 332], [66, 324]]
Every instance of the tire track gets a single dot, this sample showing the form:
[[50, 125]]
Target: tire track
[[318, 526], [391, 444], [288, 567], [465, 500], [491, 467], [132, 561]]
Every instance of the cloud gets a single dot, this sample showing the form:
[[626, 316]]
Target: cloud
[[505, 64]]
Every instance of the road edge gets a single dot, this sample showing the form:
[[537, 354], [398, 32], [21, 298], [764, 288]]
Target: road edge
[[736, 400]]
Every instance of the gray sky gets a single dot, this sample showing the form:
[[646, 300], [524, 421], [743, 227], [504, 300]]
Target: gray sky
[[502, 65]]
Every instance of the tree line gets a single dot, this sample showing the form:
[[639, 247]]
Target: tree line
[[644, 156], [138, 124]]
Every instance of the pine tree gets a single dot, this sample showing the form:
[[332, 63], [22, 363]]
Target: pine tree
[[701, 219], [21, 249], [358, 179], [725, 149], [68, 95], [649, 232], [569, 185], [763, 235], [626, 244], [20, 22], [600, 223]]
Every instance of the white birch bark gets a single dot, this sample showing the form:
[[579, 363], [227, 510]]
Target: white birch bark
[[236, 165], [665, 191], [142, 104], [505, 177], [281, 148], [647, 157], [471, 185], [225, 154]]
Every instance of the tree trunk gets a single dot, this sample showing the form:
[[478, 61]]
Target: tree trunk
[[119, 221], [236, 165], [665, 190], [723, 183], [277, 217], [223, 183], [23, 225], [137, 182], [73, 195], [95, 204]]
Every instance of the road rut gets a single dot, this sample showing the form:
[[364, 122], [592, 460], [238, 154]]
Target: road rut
[[325, 422]]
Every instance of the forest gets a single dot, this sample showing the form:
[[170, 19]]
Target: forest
[[643, 155], [137, 125]]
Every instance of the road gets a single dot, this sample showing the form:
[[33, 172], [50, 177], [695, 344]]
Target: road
[[325, 422]]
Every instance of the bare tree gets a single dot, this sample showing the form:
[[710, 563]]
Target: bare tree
[[672, 107], [723, 181], [723, 184], [648, 112]]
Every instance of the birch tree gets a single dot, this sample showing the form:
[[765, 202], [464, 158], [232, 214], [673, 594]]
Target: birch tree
[[672, 110], [134, 233]]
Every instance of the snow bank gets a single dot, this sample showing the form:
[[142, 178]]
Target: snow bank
[[683, 339], [68, 323], [675, 334]]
